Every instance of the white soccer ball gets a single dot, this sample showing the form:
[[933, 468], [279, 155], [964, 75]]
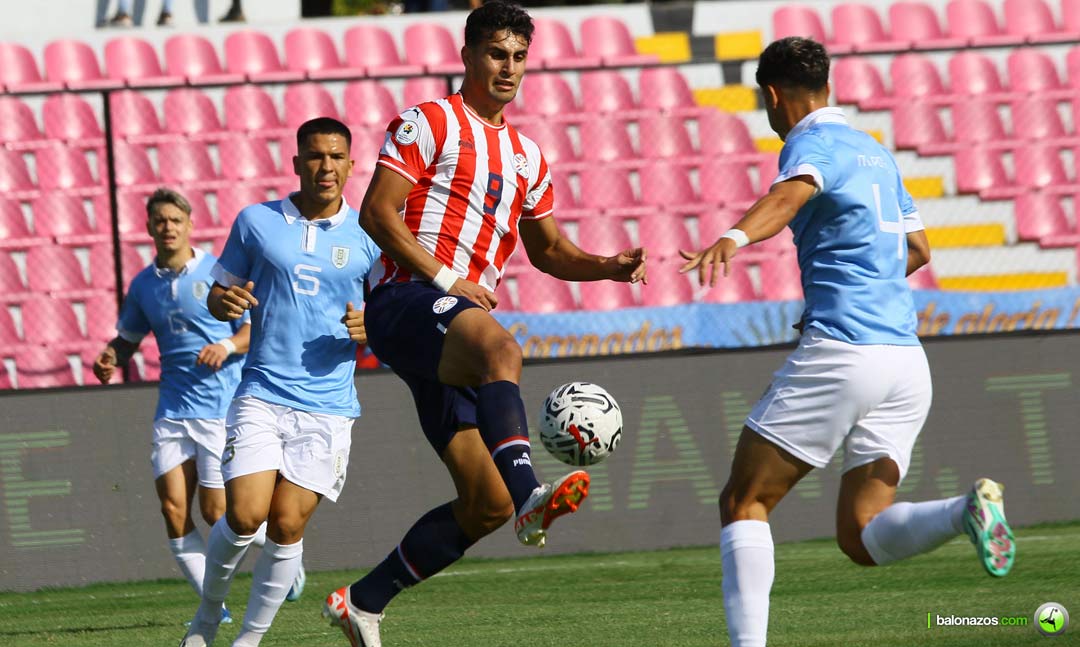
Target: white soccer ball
[[580, 423]]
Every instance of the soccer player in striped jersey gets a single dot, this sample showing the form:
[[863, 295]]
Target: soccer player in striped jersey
[[859, 378], [454, 186], [200, 361]]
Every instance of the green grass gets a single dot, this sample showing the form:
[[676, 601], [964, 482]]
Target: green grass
[[667, 598]]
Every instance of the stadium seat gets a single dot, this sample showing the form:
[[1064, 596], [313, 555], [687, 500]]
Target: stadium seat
[[232, 199], [916, 25], [565, 197], [186, 162], [248, 161], [70, 118], [1039, 165], [12, 288], [603, 235], [1041, 216], [780, 278], [74, 64], [974, 73], [1070, 17], [609, 39], [858, 27], [608, 91], [923, 279], [667, 287], [727, 182], [47, 320], [975, 121], [607, 140], [916, 125], [549, 94], [312, 51], [304, 101], [916, 77], [55, 269], [552, 139], [607, 188], [63, 216], [62, 168], [373, 48], [666, 184], [38, 367], [734, 288], [101, 314], [254, 55], [19, 71], [1033, 21], [539, 292], [133, 61], [191, 113], [665, 88], [135, 118], [249, 109], [367, 142], [797, 20], [18, 127], [12, 222], [1031, 71], [604, 296], [1072, 67], [1036, 117], [664, 234], [553, 46], [147, 362], [723, 133], [131, 211], [9, 333], [103, 267], [15, 181], [856, 80], [979, 168], [369, 103], [419, 89], [432, 46], [665, 136], [194, 58], [975, 22]]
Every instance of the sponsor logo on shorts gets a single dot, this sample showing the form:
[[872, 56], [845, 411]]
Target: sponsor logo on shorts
[[443, 304], [339, 464], [407, 133]]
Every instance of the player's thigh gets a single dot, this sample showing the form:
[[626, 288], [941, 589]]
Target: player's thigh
[[176, 487], [247, 500], [479, 486], [211, 503], [290, 510], [864, 492], [478, 350], [762, 473]]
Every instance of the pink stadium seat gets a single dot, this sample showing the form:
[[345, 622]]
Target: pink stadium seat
[[1036, 117], [977, 121], [857, 80], [724, 133], [132, 165], [131, 211], [185, 162], [134, 61], [797, 20], [974, 73], [38, 367], [548, 94], [19, 71], [134, 116], [1032, 20], [103, 268], [12, 222], [249, 161], [194, 58], [979, 168], [553, 46], [667, 287], [916, 24], [304, 101], [9, 334], [18, 128], [1031, 70], [780, 278], [858, 27], [231, 200], [419, 89], [1072, 67], [603, 235], [604, 296], [1070, 17], [539, 292], [149, 370], [606, 140], [712, 223], [916, 125], [373, 48], [311, 50], [62, 168], [254, 55], [664, 235], [727, 182], [553, 141], [667, 185], [248, 108], [432, 46], [64, 215], [733, 288], [607, 189], [565, 198], [974, 21], [101, 315], [366, 144], [923, 279], [190, 112], [665, 136], [54, 269], [369, 103], [665, 88], [357, 186], [914, 76], [1039, 165], [609, 39], [74, 64], [287, 151], [11, 288], [1040, 215], [70, 118], [607, 91], [15, 181]]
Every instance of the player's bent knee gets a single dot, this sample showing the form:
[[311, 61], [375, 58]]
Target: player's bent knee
[[852, 546], [243, 522], [175, 512], [485, 517], [502, 358], [286, 527]]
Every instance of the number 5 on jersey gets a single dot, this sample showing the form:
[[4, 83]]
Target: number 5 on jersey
[[306, 282]]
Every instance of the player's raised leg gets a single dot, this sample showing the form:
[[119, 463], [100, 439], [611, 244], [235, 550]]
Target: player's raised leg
[[761, 474]]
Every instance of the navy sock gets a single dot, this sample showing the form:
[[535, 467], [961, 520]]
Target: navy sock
[[434, 542], [504, 428]]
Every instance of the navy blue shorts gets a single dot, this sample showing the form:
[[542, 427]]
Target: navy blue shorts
[[406, 327]]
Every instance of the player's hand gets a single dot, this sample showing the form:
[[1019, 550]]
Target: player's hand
[[708, 261], [105, 365], [238, 299], [213, 356], [478, 294], [630, 266], [354, 321]]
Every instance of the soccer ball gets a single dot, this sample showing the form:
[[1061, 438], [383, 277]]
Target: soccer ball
[[580, 424]]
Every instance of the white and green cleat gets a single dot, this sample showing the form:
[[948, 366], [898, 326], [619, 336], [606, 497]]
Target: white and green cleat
[[984, 521]]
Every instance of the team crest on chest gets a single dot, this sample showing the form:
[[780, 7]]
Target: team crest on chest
[[199, 290], [521, 165], [339, 256]]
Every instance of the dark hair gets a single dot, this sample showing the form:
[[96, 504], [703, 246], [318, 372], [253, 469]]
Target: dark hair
[[322, 126], [496, 15], [794, 62], [167, 196]]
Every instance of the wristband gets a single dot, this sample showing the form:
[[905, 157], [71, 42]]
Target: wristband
[[228, 344], [445, 279], [737, 235]]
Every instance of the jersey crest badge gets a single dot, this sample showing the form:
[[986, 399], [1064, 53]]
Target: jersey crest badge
[[339, 256], [199, 290], [443, 304], [521, 165], [407, 133]]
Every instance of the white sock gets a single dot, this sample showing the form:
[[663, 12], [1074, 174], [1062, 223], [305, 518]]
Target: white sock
[[260, 536], [274, 574], [904, 529], [223, 555], [190, 554], [746, 550]]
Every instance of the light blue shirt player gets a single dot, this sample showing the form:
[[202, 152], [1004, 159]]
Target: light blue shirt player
[[305, 272], [172, 305], [851, 236]]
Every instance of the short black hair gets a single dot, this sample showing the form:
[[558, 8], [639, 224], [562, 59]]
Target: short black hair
[[496, 15], [322, 126], [794, 62]]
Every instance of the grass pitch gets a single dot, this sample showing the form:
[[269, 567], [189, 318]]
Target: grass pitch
[[666, 598]]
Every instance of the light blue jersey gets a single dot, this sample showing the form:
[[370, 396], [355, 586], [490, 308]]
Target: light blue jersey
[[851, 236], [172, 305], [304, 274]]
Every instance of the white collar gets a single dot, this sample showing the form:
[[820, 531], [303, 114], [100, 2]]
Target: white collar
[[829, 115], [192, 263], [292, 213]]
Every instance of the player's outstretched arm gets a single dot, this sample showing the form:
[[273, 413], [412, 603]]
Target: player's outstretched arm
[[116, 353], [214, 355], [227, 304], [766, 218], [918, 250], [551, 252]]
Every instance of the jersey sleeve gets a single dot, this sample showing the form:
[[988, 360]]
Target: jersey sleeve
[[809, 155], [133, 324], [412, 141], [540, 199], [910, 212], [234, 265]]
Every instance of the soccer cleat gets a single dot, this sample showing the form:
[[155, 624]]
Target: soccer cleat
[[200, 634], [984, 521], [226, 616], [297, 588], [361, 627], [547, 503]]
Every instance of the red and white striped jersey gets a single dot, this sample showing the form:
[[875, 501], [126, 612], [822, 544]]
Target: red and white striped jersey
[[473, 182]]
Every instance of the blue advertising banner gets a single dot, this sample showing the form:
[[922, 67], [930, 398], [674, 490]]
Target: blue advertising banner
[[748, 324]]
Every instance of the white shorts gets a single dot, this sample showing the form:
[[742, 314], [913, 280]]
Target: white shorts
[[178, 441], [309, 449], [872, 399]]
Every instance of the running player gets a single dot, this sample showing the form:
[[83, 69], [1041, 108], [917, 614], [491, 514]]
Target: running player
[[453, 184], [298, 266], [859, 377]]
